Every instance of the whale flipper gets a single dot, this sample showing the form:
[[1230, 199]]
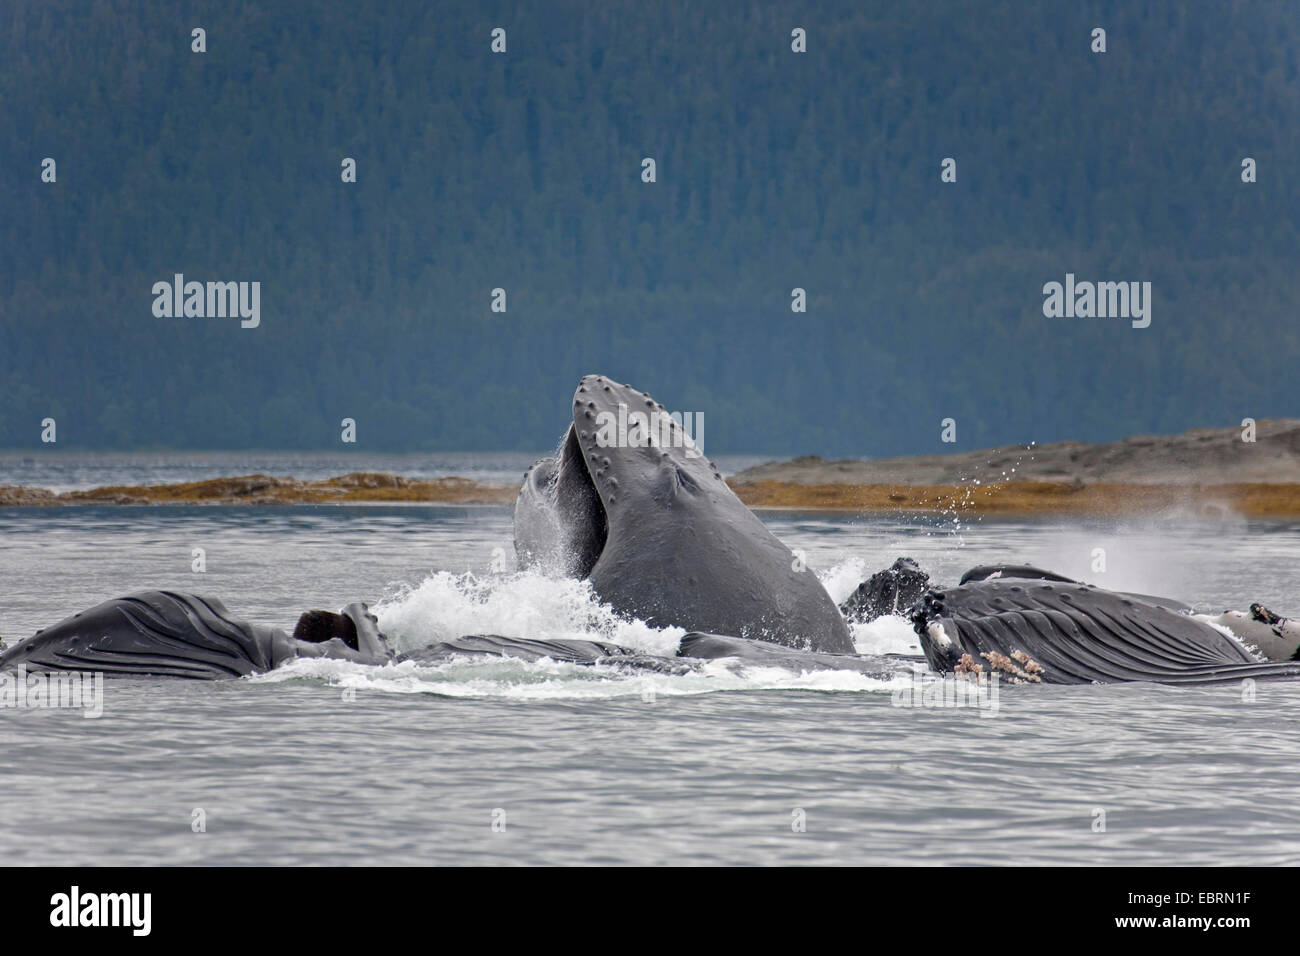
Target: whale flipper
[[1046, 631]]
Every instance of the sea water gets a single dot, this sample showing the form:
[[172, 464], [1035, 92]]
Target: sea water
[[506, 762]]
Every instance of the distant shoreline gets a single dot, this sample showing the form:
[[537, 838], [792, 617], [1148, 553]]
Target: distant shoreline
[[1205, 471], [1203, 456], [1010, 498], [357, 486]]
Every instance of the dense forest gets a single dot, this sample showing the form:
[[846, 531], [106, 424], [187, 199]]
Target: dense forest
[[522, 170]]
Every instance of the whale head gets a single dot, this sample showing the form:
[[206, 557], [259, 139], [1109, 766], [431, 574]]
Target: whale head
[[631, 503], [1275, 637]]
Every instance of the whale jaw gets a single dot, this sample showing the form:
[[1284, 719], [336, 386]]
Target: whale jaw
[[649, 520]]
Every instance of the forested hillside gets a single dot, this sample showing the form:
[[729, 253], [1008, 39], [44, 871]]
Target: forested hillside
[[522, 170]]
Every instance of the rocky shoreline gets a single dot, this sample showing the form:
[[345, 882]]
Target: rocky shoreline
[[1206, 471], [357, 486], [1203, 456], [1266, 500]]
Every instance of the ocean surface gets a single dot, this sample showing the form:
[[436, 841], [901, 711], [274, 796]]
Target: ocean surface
[[506, 762]]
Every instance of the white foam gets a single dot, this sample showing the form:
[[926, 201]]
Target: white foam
[[886, 635], [526, 604], [842, 579], [551, 680], [543, 605], [530, 604]]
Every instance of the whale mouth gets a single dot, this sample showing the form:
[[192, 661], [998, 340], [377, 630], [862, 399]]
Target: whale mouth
[[560, 521], [581, 513], [562, 516], [630, 503], [319, 627], [1262, 614]]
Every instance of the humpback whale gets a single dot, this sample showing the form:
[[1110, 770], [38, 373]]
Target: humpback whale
[[891, 591], [1039, 627], [1274, 636], [662, 537], [172, 634], [650, 523]]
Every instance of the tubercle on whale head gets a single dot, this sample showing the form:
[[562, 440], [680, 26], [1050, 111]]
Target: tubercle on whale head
[[632, 445]]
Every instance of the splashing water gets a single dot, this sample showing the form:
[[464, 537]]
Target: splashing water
[[532, 604], [526, 604]]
